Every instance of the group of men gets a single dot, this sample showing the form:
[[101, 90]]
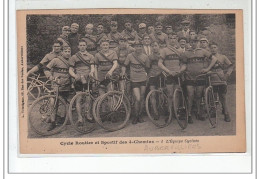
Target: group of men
[[143, 56]]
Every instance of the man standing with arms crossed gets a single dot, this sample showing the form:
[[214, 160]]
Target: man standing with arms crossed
[[129, 33], [114, 35], [90, 39], [100, 35], [160, 37], [63, 38], [74, 38]]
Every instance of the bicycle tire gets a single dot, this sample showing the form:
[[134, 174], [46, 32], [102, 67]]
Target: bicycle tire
[[211, 106], [181, 112], [33, 123], [30, 91], [167, 118], [87, 126], [94, 107], [46, 87], [126, 105]]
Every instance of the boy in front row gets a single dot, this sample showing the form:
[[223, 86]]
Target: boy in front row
[[139, 63], [81, 67], [106, 62], [58, 72]]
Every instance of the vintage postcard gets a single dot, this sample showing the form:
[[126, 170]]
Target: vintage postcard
[[131, 81]]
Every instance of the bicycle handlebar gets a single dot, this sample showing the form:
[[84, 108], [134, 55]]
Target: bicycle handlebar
[[206, 74]]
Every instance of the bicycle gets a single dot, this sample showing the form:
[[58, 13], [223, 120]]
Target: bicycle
[[112, 109], [42, 109], [180, 104], [86, 100], [164, 116], [35, 86], [209, 100]]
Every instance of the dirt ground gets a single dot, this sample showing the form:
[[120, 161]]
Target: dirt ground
[[147, 129]]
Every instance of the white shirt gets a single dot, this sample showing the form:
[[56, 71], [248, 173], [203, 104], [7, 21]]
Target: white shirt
[[147, 49]]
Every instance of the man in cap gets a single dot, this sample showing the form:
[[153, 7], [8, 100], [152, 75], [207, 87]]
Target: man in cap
[[204, 43], [185, 29], [74, 38], [100, 35], [129, 33], [141, 32], [195, 59], [63, 38], [57, 70], [56, 51], [90, 39], [114, 35], [160, 37], [183, 45], [138, 63]]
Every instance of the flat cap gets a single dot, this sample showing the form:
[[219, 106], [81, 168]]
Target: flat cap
[[158, 24], [113, 23], [142, 25], [90, 26], [204, 39], [182, 38], [65, 28], [75, 25], [185, 22]]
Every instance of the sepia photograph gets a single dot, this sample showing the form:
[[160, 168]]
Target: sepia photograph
[[131, 81]]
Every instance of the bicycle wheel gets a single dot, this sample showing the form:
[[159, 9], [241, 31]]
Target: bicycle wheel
[[211, 106], [46, 87], [40, 115], [156, 105], [94, 107], [33, 90], [113, 111], [85, 106], [180, 108]]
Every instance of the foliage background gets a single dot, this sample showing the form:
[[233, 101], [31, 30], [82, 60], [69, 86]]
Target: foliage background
[[42, 30]]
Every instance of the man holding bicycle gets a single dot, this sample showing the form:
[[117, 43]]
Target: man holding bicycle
[[90, 39], [138, 62], [195, 59], [171, 65], [154, 74], [106, 62], [57, 71], [122, 51], [81, 67], [219, 80], [47, 58]]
